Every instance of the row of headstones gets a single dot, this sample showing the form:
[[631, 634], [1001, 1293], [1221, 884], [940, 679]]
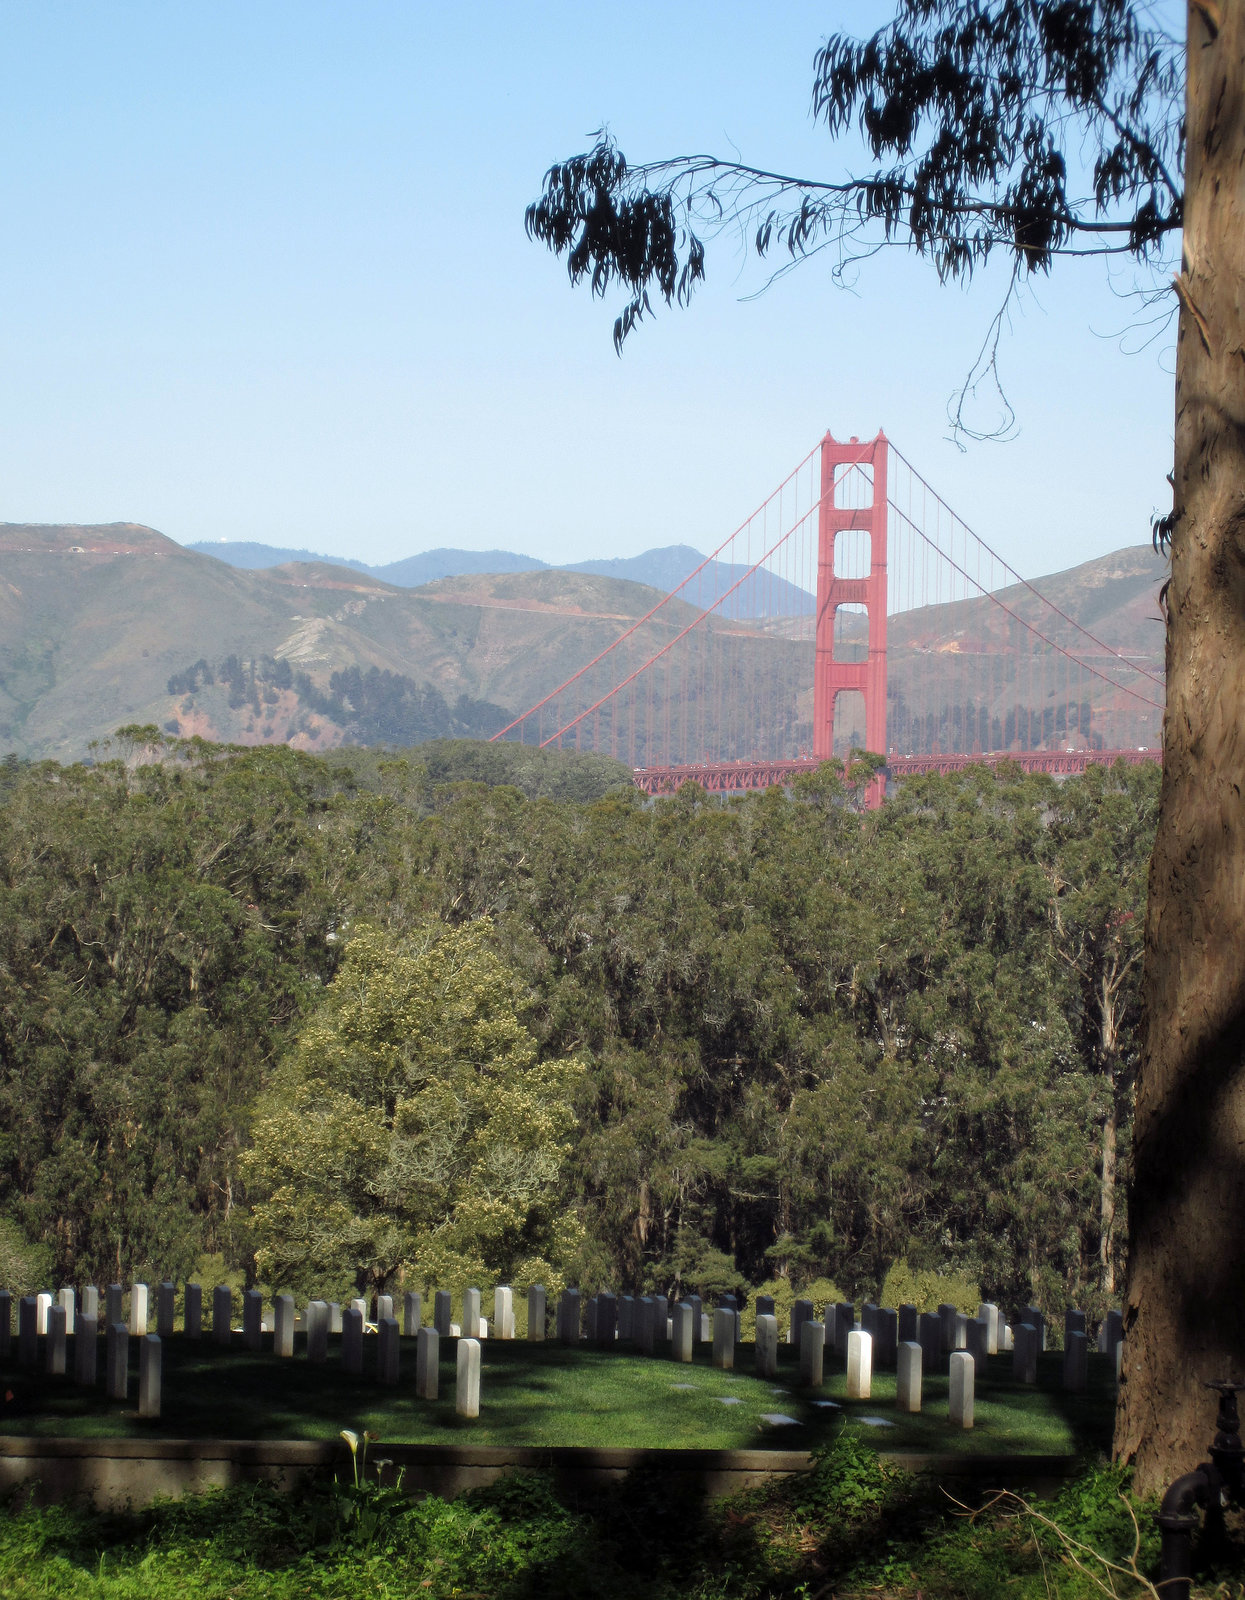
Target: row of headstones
[[644, 1321], [964, 1341], [605, 1318], [39, 1318]]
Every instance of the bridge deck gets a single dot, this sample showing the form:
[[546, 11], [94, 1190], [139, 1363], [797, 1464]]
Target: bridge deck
[[732, 777]]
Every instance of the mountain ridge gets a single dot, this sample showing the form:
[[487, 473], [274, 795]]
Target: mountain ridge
[[97, 622]]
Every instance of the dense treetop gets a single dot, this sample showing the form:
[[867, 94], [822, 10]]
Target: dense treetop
[[795, 1039]]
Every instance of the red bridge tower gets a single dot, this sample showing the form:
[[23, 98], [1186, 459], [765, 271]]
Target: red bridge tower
[[849, 501]]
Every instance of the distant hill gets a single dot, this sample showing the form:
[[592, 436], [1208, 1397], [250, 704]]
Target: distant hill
[[663, 568], [107, 625], [255, 557], [415, 571]]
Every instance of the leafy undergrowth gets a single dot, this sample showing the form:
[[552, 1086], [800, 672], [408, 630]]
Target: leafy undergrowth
[[852, 1527]]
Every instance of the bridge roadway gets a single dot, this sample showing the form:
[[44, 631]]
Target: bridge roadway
[[731, 777]]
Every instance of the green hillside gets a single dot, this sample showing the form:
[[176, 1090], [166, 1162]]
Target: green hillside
[[107, 625]]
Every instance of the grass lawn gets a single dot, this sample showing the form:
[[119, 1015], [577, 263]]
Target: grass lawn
[[545, 1395]]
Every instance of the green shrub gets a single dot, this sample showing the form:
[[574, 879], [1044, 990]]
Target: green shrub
[[905, 1285], [25, 1267], [821, 1292]]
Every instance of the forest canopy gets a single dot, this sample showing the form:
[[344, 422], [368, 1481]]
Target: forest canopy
[[772, 1036]]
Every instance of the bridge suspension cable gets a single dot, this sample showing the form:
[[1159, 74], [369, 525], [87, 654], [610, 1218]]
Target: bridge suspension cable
[[911, 614]]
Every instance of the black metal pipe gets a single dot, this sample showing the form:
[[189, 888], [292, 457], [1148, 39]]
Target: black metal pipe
[[1177, 1520]]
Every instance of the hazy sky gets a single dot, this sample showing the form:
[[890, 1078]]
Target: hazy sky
[[264, 276]]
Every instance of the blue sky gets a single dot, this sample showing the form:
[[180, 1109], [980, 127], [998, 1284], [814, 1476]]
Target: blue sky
[[265, 277]]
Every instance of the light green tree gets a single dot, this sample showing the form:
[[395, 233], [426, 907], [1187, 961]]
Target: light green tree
[[414, 1130]]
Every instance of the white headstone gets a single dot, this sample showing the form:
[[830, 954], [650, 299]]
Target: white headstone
[[467, 1387], [43, 1305], [929, 1335], [283, 1325], [85, 1350], [568, 1317], [335, 1317], [118, 1355], [767, 1346], [908, 1376], [801, 1312], [960, 1335], [536, 1312], [427, 1363], [358, 1304], [90, 1302], [166, 1309], [1007, 1339], [503, 1313], [812, 1352], [960, 1389], [886, 1338], [222, 1315], [150, 1352], [252, 1319], [140, 1313], [697, 1309], [644, 1325], [991, 1313], [27, 1331], [387, 1350], [471, 1313], [859, 1364], [66, 1299], [724, 1319], [412, 1313], [682, 1346], [1076, 1362], [352, 1340], [54, 1350], [317, 1330], [1025, 1354]]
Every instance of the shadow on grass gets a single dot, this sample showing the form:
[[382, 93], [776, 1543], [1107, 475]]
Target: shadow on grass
[[550, 1396]]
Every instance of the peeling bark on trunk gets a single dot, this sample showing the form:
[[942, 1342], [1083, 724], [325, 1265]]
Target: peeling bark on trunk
[[1185, 1302]]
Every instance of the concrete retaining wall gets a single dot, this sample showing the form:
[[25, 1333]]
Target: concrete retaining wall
[[113, 1473]]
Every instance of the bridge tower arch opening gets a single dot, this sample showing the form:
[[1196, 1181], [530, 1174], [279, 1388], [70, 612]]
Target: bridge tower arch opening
[[853, 498]]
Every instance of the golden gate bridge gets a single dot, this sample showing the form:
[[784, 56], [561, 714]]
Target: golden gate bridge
[[852, 610]]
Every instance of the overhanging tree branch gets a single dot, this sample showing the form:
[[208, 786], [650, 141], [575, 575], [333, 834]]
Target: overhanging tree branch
[[986, 116]]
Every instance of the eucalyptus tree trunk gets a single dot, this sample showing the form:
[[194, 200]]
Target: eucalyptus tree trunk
[[1185, 1301]]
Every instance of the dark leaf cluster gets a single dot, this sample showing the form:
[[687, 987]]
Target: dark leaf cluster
[[1037, 127]]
